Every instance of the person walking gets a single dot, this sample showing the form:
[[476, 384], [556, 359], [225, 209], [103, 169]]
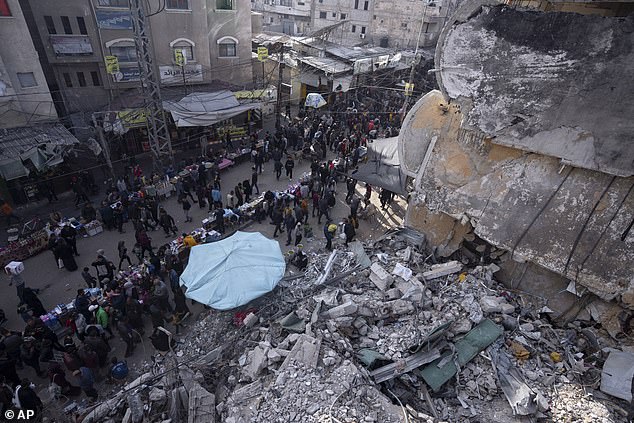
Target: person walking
[[323, 209], [289, 224], [351, 185], [298, 233], [144, 241], [277, 219], [289, 165], [16, 279], [329, 233], [231, 200], [219, 219], [69, 234], [354, 209], [123, 254], [278, 169], [254, 180], [167, 223], [186, 207], [348, 230]]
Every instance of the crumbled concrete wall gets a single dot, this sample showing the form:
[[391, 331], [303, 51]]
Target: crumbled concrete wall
[[553, 83], [568, 220]]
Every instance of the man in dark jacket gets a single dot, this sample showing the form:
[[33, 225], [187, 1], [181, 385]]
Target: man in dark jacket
[[289, 165], [348, 230], [289, 224]]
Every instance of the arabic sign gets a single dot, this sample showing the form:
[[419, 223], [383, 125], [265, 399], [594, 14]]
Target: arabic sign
[[112, 64], [409, 89], [114, 19], [71, 45], [173, 75], [263, 53], [127, 73], [179, 57], [133, 118]]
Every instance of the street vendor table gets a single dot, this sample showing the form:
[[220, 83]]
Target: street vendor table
[[24, 248]]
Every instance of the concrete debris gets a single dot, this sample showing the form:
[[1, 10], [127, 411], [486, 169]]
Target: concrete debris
[[616, 378], [371, 346], [380, 277], [444, 269]]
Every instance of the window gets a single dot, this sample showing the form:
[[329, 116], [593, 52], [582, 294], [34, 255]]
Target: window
[[366, 4], [403, 24], [114, 3], [4, 8], [187, 48], [177, 4], [334, 15], [354, 28], [81, 24], [27, 79], [67, 80], [287, 3], [224, 4], [321, 1], [81, 78], [95, 78], [227, 47], [66, 24], [322, 15], [356, 4], [50, 25], [363, 29], [124, 50], [343, 16]]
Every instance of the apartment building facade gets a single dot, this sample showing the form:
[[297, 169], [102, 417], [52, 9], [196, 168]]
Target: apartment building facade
[[76, 36], [24, 94], [385, 23]]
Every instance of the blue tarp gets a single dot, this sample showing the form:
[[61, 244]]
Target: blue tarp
[[231, 272]]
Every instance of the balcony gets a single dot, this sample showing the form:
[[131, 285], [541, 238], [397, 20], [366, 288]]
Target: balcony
[[286, 10]]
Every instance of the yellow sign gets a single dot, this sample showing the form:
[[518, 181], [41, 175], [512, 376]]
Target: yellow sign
[[263, 53], [409, 89], [179, 57], [112, 64], [133, 118]]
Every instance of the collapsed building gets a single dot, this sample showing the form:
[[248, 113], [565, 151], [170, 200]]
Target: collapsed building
[[525, 156]]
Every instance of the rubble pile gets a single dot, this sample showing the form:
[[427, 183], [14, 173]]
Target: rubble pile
[[379, 334]]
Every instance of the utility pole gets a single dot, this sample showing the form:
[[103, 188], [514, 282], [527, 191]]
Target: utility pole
[[415, 61], [159, 136], [278, 104], [105, 147]]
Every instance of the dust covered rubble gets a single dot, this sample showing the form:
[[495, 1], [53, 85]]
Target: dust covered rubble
[[313, 352]]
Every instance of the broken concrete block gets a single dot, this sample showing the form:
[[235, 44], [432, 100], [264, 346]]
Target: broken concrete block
[[617, 374], [392, 294], [306, 351], [256, 362], [399, 307], [274, 356], [402, 271], [380, 277], [345, 309], [507, 308], [491, 304], [444, 269], [250, 320]]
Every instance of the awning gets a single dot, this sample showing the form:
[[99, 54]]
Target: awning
[[383, 168], [42, 145], [205, 109]]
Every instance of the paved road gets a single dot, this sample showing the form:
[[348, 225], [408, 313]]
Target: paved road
[[59, 285]]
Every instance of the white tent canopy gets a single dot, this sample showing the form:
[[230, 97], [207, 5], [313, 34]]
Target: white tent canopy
[[205, 109]]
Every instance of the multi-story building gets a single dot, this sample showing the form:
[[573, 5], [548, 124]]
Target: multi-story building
[[75, 36], [388, 23], [292, 17], [24, 95]]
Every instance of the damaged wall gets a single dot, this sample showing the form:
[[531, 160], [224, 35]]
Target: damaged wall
[[488, 150], [554, 83], [569, 221]]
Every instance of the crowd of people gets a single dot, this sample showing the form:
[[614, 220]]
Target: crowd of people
[[124, 304]]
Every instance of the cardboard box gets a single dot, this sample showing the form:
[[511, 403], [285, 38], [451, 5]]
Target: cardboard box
[[14, 268]]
